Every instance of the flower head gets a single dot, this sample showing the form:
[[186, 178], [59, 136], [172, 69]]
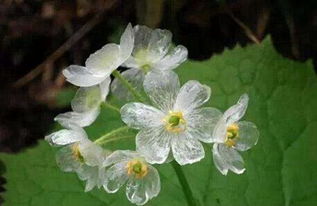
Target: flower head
[[102, 63], [86, 104], [142, 179], [231, 135], [78, 154], [177, 122], [153, 51]]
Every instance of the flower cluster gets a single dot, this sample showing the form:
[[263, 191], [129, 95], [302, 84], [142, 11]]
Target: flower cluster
[[172, 124]]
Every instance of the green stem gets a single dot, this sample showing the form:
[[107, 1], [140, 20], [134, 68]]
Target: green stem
[[103, 139], [183, 181], [116, 139], [127, 84], [110, 106]]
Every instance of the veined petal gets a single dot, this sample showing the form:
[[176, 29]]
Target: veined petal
[[120, 156], [82, 119], [131, 63], [186, 149], [173, 59], [92, 153], [105, 60], [81, 76], [226, 158], [126, 43], [192, 95], [65, 160], [142, 36], [86, 98], [201, 123], [138, 115], [135, 77], [220, 131], [248, 136], [65, 137], [153, 144], [237, 111], [104, 88], [115, 177], [139, 191], [159, 44], [162, 88]]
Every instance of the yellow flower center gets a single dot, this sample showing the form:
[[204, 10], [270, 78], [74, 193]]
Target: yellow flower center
[[232, 135], [76, 153], [175, 122], [137, 168]]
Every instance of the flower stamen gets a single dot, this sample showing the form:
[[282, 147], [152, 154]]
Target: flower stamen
[[137, 168], [175, 122], [76, 153], [232, 135]]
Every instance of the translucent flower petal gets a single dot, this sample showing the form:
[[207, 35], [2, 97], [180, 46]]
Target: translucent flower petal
[[159, 44], [93, 154], [153, 144], [142, 35], [186, 149], [201, 123], [65, 160], [192, 95], [173, 59], [248, 136], [220, 131], [131, 63], [105, 60], [138, 115], [65, 137], [81, 119], [86, 98], [135, 77], [115, 177], [91, 175], [139, 191], [226, 158], [237, 111], [126, 43], [162, 88], [104, 88], [81, 76], [120, 156]]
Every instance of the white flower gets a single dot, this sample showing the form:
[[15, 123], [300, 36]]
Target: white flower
[[102, 63], [179, 122], [79, 155], [86, 104], [142, 179], [230, 135], [153, 51]]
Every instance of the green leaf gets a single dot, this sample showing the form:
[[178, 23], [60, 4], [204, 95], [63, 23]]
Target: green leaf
[[281, 168]]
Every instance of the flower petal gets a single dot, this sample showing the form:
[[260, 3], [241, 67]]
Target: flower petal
[[173, 59], [142, 35], [248, 136], [162, 88], [81, 76], [226, 158], [138, 115], [159, 44], [115, 177], [201, 123], [105, 60], [126, 43], [82, 119], [65, 160], [186, 149], [93, 154], [65, 137], [237, 111], [153, 144], [139, 191], [120, 156], [220, 131], [192, 95], [135, 77], [104, 88], [86, 98]]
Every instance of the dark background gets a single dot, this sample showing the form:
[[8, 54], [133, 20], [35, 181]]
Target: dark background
[[34, 33]]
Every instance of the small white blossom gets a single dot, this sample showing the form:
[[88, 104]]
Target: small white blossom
[[142, 180], [102, 63], [86, 104], [231, 135], [179, 122], [153, 51], [78, 154]]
